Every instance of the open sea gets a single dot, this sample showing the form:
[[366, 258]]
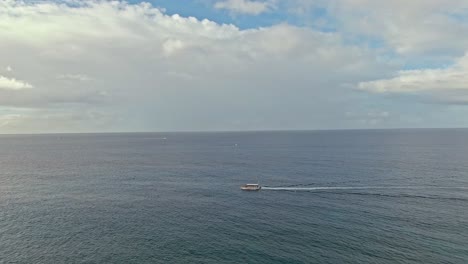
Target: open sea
[[356, 196]]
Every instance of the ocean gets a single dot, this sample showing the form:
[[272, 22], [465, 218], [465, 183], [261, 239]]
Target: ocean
[[350, 196]]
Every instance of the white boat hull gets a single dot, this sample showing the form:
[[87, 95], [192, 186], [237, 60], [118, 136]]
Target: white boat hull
[[251, 187]]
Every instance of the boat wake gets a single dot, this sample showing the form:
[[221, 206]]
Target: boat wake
[[334, 188]]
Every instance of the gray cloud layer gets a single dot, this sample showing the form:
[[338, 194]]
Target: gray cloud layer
[[104, 66]]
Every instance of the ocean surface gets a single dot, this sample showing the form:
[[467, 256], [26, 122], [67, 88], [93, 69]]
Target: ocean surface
[[362, 196]]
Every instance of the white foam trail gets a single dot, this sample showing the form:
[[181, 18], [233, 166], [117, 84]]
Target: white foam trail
[[356, 188]]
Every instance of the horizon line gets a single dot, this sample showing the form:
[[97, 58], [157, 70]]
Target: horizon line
[[231, 131]]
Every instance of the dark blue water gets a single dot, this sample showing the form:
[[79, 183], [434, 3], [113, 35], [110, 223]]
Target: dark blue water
[[140, 198]]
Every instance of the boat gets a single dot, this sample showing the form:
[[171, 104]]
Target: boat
[[251, 187]]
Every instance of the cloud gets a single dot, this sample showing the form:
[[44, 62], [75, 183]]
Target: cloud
[[430, 28], [245, 6], [425, 36], [369, 118], [109, 65], [426, 31], [448, 84], [31, 120], [9, 120], [13, 84], [77, 77], [172, 46], [167, 72]]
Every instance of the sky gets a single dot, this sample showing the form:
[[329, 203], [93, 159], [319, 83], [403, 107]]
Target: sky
[[230, 65]]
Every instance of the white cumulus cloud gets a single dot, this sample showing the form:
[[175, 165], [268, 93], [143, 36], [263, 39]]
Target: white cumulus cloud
[[447, 84], [13, 84], [245, 6], [428, 28], [167, 72]]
